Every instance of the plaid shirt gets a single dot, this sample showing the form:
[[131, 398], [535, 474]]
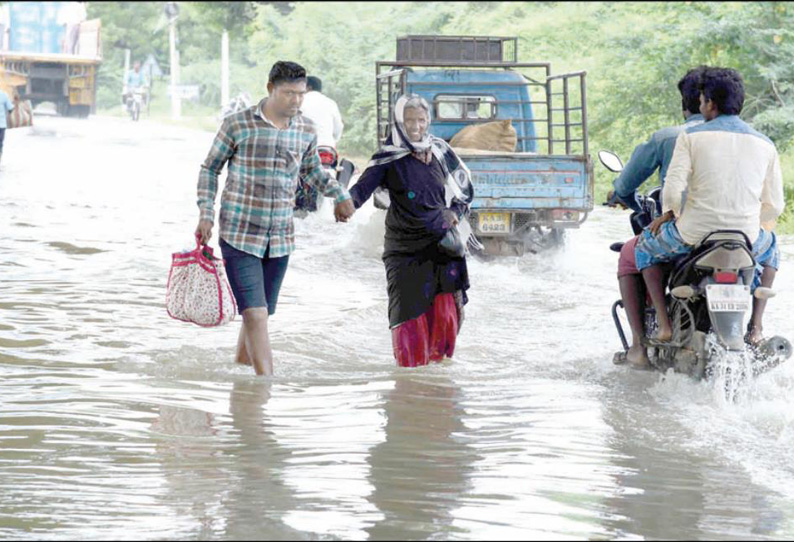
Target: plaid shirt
[[264, 166]]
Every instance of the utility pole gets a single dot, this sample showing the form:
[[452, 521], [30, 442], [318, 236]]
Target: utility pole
[[224, 68], [126, 68], [172, 12]]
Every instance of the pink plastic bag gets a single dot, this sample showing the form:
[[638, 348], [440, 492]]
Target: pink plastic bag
[[198, 290]]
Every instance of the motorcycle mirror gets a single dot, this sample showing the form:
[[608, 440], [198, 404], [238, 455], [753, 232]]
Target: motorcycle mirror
[[611, 161]]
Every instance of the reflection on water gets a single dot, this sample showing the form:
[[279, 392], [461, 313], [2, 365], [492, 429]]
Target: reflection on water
[[256, 464], [117, 422], [422, 468]]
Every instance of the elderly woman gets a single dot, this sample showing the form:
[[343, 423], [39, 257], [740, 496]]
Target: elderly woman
[[426, 234]]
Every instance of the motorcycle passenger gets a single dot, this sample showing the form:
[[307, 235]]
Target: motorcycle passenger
[[654, 154], [723, 175], [134, 80]]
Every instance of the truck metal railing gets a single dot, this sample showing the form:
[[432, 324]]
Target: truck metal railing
[[562, 104], [457, 50], [389, 84], [566, 110]]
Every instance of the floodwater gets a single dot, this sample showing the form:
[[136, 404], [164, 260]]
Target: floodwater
[[117, 422]]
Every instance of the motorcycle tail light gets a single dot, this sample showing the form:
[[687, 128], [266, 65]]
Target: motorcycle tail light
[[327, 157], [726, 277]]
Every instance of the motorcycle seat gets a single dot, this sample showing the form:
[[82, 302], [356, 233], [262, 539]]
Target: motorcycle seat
[[685, 269]]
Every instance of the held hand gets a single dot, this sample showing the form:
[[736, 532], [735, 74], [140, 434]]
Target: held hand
[[204, 231], [658, 221], [344, 210]]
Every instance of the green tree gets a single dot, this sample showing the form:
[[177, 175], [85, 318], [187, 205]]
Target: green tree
[[125, 25]]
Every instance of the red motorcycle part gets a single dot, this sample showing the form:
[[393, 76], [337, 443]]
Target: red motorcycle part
[[328, 156]]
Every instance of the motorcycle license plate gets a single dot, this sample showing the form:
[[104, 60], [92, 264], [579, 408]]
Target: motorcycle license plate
[[728, 297], [493, 222]]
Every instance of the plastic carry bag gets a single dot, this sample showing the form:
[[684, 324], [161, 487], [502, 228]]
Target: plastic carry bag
[[21, 116], [198, 290]]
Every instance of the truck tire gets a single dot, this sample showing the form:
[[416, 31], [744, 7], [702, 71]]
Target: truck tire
[[78, 111]]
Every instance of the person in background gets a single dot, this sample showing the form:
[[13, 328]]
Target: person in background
[[268, 147], [70, 15], [723, 175], [655, 154], [6, 106], [134, 80], [424, 253], [324, 112]]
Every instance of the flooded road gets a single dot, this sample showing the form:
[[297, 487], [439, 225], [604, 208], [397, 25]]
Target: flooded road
[[117, 422]]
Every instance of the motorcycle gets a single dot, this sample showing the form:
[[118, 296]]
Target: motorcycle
[[134, 101], [708, 299], [307, 198]]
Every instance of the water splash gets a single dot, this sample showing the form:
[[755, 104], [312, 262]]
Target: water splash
[[730, 373]]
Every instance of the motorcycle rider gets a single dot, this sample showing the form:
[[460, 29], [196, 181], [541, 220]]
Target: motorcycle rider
[[324, 112], [723, 175], [654, 154], [134, 80]]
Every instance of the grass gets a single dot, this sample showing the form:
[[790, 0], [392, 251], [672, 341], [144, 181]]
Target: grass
[[786, 222]]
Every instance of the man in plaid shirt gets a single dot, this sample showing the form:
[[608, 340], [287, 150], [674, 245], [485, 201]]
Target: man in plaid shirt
[[267, 148]]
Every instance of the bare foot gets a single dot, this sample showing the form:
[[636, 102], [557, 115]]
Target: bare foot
[[637, 358], [754, 336], [243, 360], [664, 334]]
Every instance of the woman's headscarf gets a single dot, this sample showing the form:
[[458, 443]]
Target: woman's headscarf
[[458, 186]]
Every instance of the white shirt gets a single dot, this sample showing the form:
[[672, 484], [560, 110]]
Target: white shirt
[[723, 175], [325, 113]]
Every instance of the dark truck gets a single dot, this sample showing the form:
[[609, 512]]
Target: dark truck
[[35, 68], [524, 199]]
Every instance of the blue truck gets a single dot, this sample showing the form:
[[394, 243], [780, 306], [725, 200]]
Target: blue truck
[[526, 198]]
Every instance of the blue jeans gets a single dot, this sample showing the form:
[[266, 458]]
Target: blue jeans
[[255, 281]]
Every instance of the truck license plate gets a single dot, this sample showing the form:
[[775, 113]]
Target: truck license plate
[[493, 222], [728, 297]]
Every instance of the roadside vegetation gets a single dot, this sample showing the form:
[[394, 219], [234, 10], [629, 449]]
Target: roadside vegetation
[[634, 54]]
